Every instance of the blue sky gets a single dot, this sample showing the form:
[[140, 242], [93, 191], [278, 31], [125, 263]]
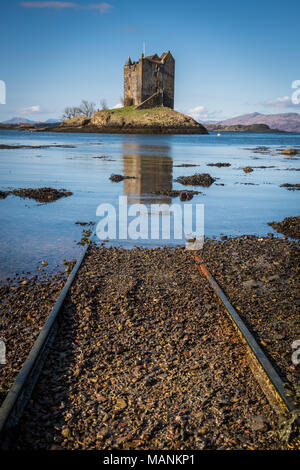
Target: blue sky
[[231, 57]]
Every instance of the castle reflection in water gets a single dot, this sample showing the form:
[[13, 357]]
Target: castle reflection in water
[[152, 167]]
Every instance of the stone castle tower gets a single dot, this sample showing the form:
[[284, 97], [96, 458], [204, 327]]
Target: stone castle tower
[[150, 81]]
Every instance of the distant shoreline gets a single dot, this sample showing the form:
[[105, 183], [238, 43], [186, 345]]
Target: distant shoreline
[[140, 131], [162, 117], [255, 128], [96, 130]]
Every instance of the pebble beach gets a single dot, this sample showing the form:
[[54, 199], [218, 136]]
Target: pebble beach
[[147, 358]]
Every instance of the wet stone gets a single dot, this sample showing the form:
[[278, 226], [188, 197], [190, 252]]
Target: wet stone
[[247, 169]]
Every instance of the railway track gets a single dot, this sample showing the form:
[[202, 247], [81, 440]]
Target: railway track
[[20, 392], [264, 372], [271, 384]]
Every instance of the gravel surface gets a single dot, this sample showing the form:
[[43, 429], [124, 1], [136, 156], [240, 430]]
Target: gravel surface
[[260, 276], [24, 306], [146, 358]]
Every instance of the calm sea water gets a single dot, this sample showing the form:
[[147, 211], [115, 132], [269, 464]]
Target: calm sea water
[[31, 232]]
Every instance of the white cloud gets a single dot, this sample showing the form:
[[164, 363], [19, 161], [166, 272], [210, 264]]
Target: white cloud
[[56, 5], [101, 7], [199, 113], [31, 109], [284, 102]]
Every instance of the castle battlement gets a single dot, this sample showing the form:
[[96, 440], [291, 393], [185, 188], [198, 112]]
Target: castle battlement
[[150, 80]]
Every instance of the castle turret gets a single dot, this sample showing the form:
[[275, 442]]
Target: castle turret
[[128, 61]]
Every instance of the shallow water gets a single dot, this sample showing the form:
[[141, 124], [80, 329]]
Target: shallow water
[[31, 232]]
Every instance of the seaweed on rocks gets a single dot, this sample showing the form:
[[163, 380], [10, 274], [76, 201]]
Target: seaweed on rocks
[[290, 226], [41, 194], [85, 237], [183, 195], [91, 223], [185, 165], [291, 186], [219, 164], [117, 178], [203, 179], [14, 147], [4, 194]]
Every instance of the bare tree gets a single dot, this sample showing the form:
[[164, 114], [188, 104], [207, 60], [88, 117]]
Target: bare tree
[[103, 104], [87, 108], [70, 112]]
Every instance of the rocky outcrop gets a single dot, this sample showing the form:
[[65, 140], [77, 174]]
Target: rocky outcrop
[[241, 128], [159, 120]]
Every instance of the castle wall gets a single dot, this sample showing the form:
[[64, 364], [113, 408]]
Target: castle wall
[[132, 84], [147, 77], [155, 100], [151, 82], [168, 78]]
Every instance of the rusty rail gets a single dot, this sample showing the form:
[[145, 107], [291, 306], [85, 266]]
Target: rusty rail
[[264, 372], [20, 392]]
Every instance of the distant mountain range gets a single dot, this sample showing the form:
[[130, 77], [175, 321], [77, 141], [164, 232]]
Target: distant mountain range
[[289, 122], [19, 120]]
